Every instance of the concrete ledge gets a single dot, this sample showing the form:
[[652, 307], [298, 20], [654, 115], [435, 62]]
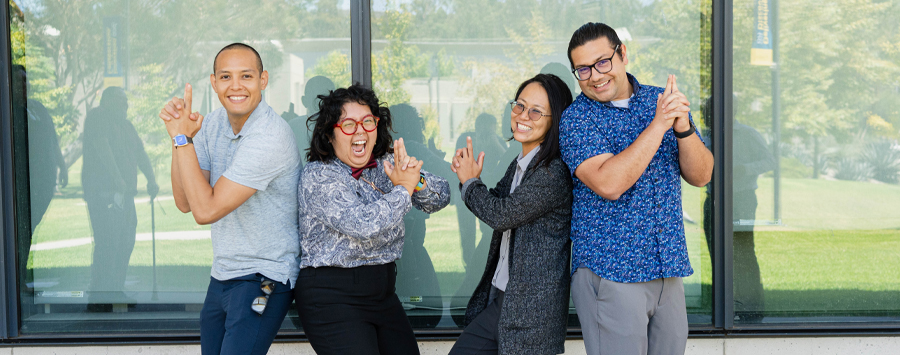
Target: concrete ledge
[[721, 346]]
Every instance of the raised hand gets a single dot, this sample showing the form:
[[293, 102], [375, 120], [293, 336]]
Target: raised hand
[[680, 109], [671, 104], [178, 108], [464, 164], [405, 170]]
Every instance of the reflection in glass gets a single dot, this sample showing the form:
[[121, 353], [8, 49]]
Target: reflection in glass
[[102, 240], [45, 161], [315, 86], [113, 152], [750, 159], [825, 231], [417, 282]]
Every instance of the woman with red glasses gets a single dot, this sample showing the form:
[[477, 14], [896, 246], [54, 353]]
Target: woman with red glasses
[[353, 195]]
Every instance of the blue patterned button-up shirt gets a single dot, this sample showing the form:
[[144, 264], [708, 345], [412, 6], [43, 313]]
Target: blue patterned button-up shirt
[[346, 222], [640, 236]]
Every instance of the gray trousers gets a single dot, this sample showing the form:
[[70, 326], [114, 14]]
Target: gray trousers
[[630, 318]]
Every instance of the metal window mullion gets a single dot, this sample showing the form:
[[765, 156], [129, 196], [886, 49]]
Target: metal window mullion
[[723, 228], [361, 42], [9, 310]]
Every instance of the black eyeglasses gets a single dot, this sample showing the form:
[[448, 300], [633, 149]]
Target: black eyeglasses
[[259, 303], [603, 66], [533, 113]]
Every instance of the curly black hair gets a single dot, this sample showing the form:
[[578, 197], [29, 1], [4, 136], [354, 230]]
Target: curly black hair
[[331, 107]]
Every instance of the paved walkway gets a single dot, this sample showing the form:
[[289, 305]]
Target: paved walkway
[[141, 237]]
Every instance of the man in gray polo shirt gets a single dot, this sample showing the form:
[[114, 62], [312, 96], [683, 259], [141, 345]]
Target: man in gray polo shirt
[[239, 170]]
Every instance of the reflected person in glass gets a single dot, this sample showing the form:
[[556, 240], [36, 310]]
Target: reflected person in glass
[[315, 86], [522, 302], [353, 196], [239, 172], [47, 168], [417, 282], [750, 159], [484, 138], [113, 153]]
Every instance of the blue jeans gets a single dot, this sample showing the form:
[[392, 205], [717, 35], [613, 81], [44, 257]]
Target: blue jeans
[[229, 326]]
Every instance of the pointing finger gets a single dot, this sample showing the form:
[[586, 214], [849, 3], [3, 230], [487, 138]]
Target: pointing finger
[[187, 97], [669, 83]]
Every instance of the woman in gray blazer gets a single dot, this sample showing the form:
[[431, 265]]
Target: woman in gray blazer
[[522, 302]]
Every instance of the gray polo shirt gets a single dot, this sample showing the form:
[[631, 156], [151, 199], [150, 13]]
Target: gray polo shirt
[[260, 236]]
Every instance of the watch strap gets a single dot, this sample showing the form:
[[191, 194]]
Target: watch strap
[[685, 134], [421, 184]]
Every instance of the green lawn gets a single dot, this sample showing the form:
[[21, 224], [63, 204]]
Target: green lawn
[[838, 247]]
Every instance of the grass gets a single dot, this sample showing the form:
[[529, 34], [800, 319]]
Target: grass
[[837, 248]]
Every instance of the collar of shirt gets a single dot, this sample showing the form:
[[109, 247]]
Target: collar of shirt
[[260, 110], [524, 161], [635, 86]]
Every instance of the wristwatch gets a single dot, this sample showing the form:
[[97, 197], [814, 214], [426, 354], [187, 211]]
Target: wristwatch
[[685, 134], [182, 140]]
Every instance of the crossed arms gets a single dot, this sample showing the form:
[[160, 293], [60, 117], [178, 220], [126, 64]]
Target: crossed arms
[[610, 175]]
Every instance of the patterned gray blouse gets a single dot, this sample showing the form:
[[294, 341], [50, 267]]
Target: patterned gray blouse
[[346, 222]]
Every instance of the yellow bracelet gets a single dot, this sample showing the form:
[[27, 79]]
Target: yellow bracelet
[[421, 184]]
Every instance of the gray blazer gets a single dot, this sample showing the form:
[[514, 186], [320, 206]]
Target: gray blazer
[[536, 304]]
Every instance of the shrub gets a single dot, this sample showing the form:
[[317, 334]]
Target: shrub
[[852, 169], [883, 160]]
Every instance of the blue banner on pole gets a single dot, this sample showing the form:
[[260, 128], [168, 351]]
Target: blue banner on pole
[[761, 50], [113, 51]]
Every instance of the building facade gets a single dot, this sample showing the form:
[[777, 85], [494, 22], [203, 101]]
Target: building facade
[[798, 234]]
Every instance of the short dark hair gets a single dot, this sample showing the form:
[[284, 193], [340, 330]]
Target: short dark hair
[[591, 31], [238, 45], [331, 107], [560, 98]]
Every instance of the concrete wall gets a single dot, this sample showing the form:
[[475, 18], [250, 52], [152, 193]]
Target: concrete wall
[[730, 346]]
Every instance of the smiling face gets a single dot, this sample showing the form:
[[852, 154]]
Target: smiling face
[[531, 133], [611, 86], [238, 82], [355, 150]]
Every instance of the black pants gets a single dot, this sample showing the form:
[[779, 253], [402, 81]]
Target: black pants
[[114, 236], [353, 311], [480, 336], [749, 296]]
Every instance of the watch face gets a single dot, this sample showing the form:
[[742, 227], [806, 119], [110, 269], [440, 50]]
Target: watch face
[[180, 140]]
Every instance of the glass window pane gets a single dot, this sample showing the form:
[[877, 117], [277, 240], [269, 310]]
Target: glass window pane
[[91, 77], [451, 67], [816, 162]]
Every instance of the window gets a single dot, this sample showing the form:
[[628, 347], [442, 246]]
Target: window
[[100, 254], [816, 163]]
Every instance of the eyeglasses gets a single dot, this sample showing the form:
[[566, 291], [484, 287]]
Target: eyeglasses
[[533, 113], [603, 66], [349, 126], [259, 303]]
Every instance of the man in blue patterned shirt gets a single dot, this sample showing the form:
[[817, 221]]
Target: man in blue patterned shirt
[[628, 146]]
